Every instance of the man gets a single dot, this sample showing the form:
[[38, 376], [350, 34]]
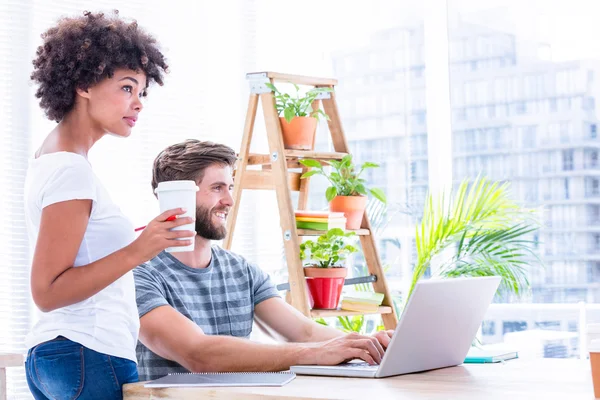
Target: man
[[196, 308]]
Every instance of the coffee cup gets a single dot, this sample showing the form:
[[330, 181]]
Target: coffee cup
[[179, 194]]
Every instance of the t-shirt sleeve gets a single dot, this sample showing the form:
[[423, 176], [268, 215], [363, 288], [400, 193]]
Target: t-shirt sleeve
[[149, 292], [263, 287], [74, 181]]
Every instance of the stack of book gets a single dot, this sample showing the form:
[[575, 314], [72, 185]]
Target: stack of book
[[490, 354], [319, 220], [362, 301]]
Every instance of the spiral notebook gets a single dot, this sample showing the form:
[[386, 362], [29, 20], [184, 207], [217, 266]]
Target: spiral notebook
[[222, 379]]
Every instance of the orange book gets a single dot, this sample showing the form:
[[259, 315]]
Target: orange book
[[318, 214], [315, 219]]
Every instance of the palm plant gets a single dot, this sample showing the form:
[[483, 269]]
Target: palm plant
[[488, 230]]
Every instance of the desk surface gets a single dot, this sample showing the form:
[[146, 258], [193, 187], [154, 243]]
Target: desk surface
[[516, 379]]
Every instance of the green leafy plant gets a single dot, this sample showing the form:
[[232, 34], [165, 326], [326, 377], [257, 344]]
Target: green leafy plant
[[486, 230], [298, 106], [329, 250], [344, 178]]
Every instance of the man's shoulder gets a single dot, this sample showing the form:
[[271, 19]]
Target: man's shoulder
[[235, 262], [228, 257], [153, 267]]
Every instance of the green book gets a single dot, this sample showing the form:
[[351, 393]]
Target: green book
[[365, 297], [489, 354], [320, 226]]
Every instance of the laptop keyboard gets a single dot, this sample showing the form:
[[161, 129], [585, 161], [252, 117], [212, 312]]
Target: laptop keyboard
[[361, 365]]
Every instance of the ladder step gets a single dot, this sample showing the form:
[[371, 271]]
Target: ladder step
[[309, 232], [263, 180], [339, 312], [315, 155], [260, 159], [298, 79]]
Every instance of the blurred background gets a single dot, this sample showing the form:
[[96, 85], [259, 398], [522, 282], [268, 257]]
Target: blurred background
[[436, 92]]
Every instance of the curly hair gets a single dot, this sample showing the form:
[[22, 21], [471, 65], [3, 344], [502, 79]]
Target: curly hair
[[80, 52], [189, 159]]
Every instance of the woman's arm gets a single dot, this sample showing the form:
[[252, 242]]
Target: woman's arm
[[55, 283]]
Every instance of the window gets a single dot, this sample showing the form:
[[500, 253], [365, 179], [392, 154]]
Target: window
[[543, 113], [592, 187], [590, 103], [567, 156], [528, 136], [565, 131], [591, 159], [124, 166], [520, 108], [513, 326], [488, 328]]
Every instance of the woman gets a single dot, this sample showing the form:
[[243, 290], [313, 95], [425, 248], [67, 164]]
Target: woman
[[92, 72]]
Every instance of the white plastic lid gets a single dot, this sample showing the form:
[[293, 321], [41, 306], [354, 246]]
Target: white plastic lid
[[594, 346], [176, 185]]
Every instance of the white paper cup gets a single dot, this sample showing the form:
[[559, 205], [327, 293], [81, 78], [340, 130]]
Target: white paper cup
[[179, 194]]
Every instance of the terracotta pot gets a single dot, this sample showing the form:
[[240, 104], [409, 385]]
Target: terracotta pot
[[299, 134], [353, 208], [325, 285]]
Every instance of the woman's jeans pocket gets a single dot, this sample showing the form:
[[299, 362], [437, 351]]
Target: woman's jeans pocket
[[58, 368]]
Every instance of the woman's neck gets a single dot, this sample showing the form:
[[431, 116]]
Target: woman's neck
[[75, 133]]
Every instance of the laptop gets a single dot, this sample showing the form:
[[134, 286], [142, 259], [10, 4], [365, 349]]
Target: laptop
[[435, 330]]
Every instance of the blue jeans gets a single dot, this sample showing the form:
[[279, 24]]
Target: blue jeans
[[61, 369]]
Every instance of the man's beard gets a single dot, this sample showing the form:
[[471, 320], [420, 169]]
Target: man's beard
[[204, 225]]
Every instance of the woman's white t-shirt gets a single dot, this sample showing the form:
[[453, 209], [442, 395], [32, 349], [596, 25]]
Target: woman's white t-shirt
[[107, 322]]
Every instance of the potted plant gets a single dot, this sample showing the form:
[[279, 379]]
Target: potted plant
[[299, 120], [348, 191], [324, 266], [476, 231]]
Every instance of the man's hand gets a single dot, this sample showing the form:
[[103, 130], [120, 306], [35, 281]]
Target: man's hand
[[384, 337], [345, 348]]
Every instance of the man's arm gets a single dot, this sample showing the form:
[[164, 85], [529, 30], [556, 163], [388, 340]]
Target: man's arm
[[286, 321], [171, 335], [291, 324]]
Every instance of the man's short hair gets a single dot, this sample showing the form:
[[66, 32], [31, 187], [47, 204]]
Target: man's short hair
[[188, 160]]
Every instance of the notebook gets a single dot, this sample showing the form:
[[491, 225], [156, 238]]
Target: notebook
[[222, 379], [489, 354]]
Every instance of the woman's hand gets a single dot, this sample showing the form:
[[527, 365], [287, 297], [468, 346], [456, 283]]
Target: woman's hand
[[158, 235]]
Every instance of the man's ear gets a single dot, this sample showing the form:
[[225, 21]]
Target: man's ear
[[85, 93]]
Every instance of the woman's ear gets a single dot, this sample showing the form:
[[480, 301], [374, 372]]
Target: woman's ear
[[85, 93]]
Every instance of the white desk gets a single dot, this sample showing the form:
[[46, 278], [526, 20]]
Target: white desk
[[516, 379]]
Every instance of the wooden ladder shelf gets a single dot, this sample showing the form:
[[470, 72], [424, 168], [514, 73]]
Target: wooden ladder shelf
[[275, 175]]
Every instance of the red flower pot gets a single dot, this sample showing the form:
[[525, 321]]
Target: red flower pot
[[325, 285]]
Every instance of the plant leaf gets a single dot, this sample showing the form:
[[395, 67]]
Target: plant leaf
[[310, 163], [310, 173], [289, 113], [330, 193], [370, 165], [379, 195]]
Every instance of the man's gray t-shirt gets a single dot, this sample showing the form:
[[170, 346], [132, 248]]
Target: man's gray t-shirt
[[220, 299]]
